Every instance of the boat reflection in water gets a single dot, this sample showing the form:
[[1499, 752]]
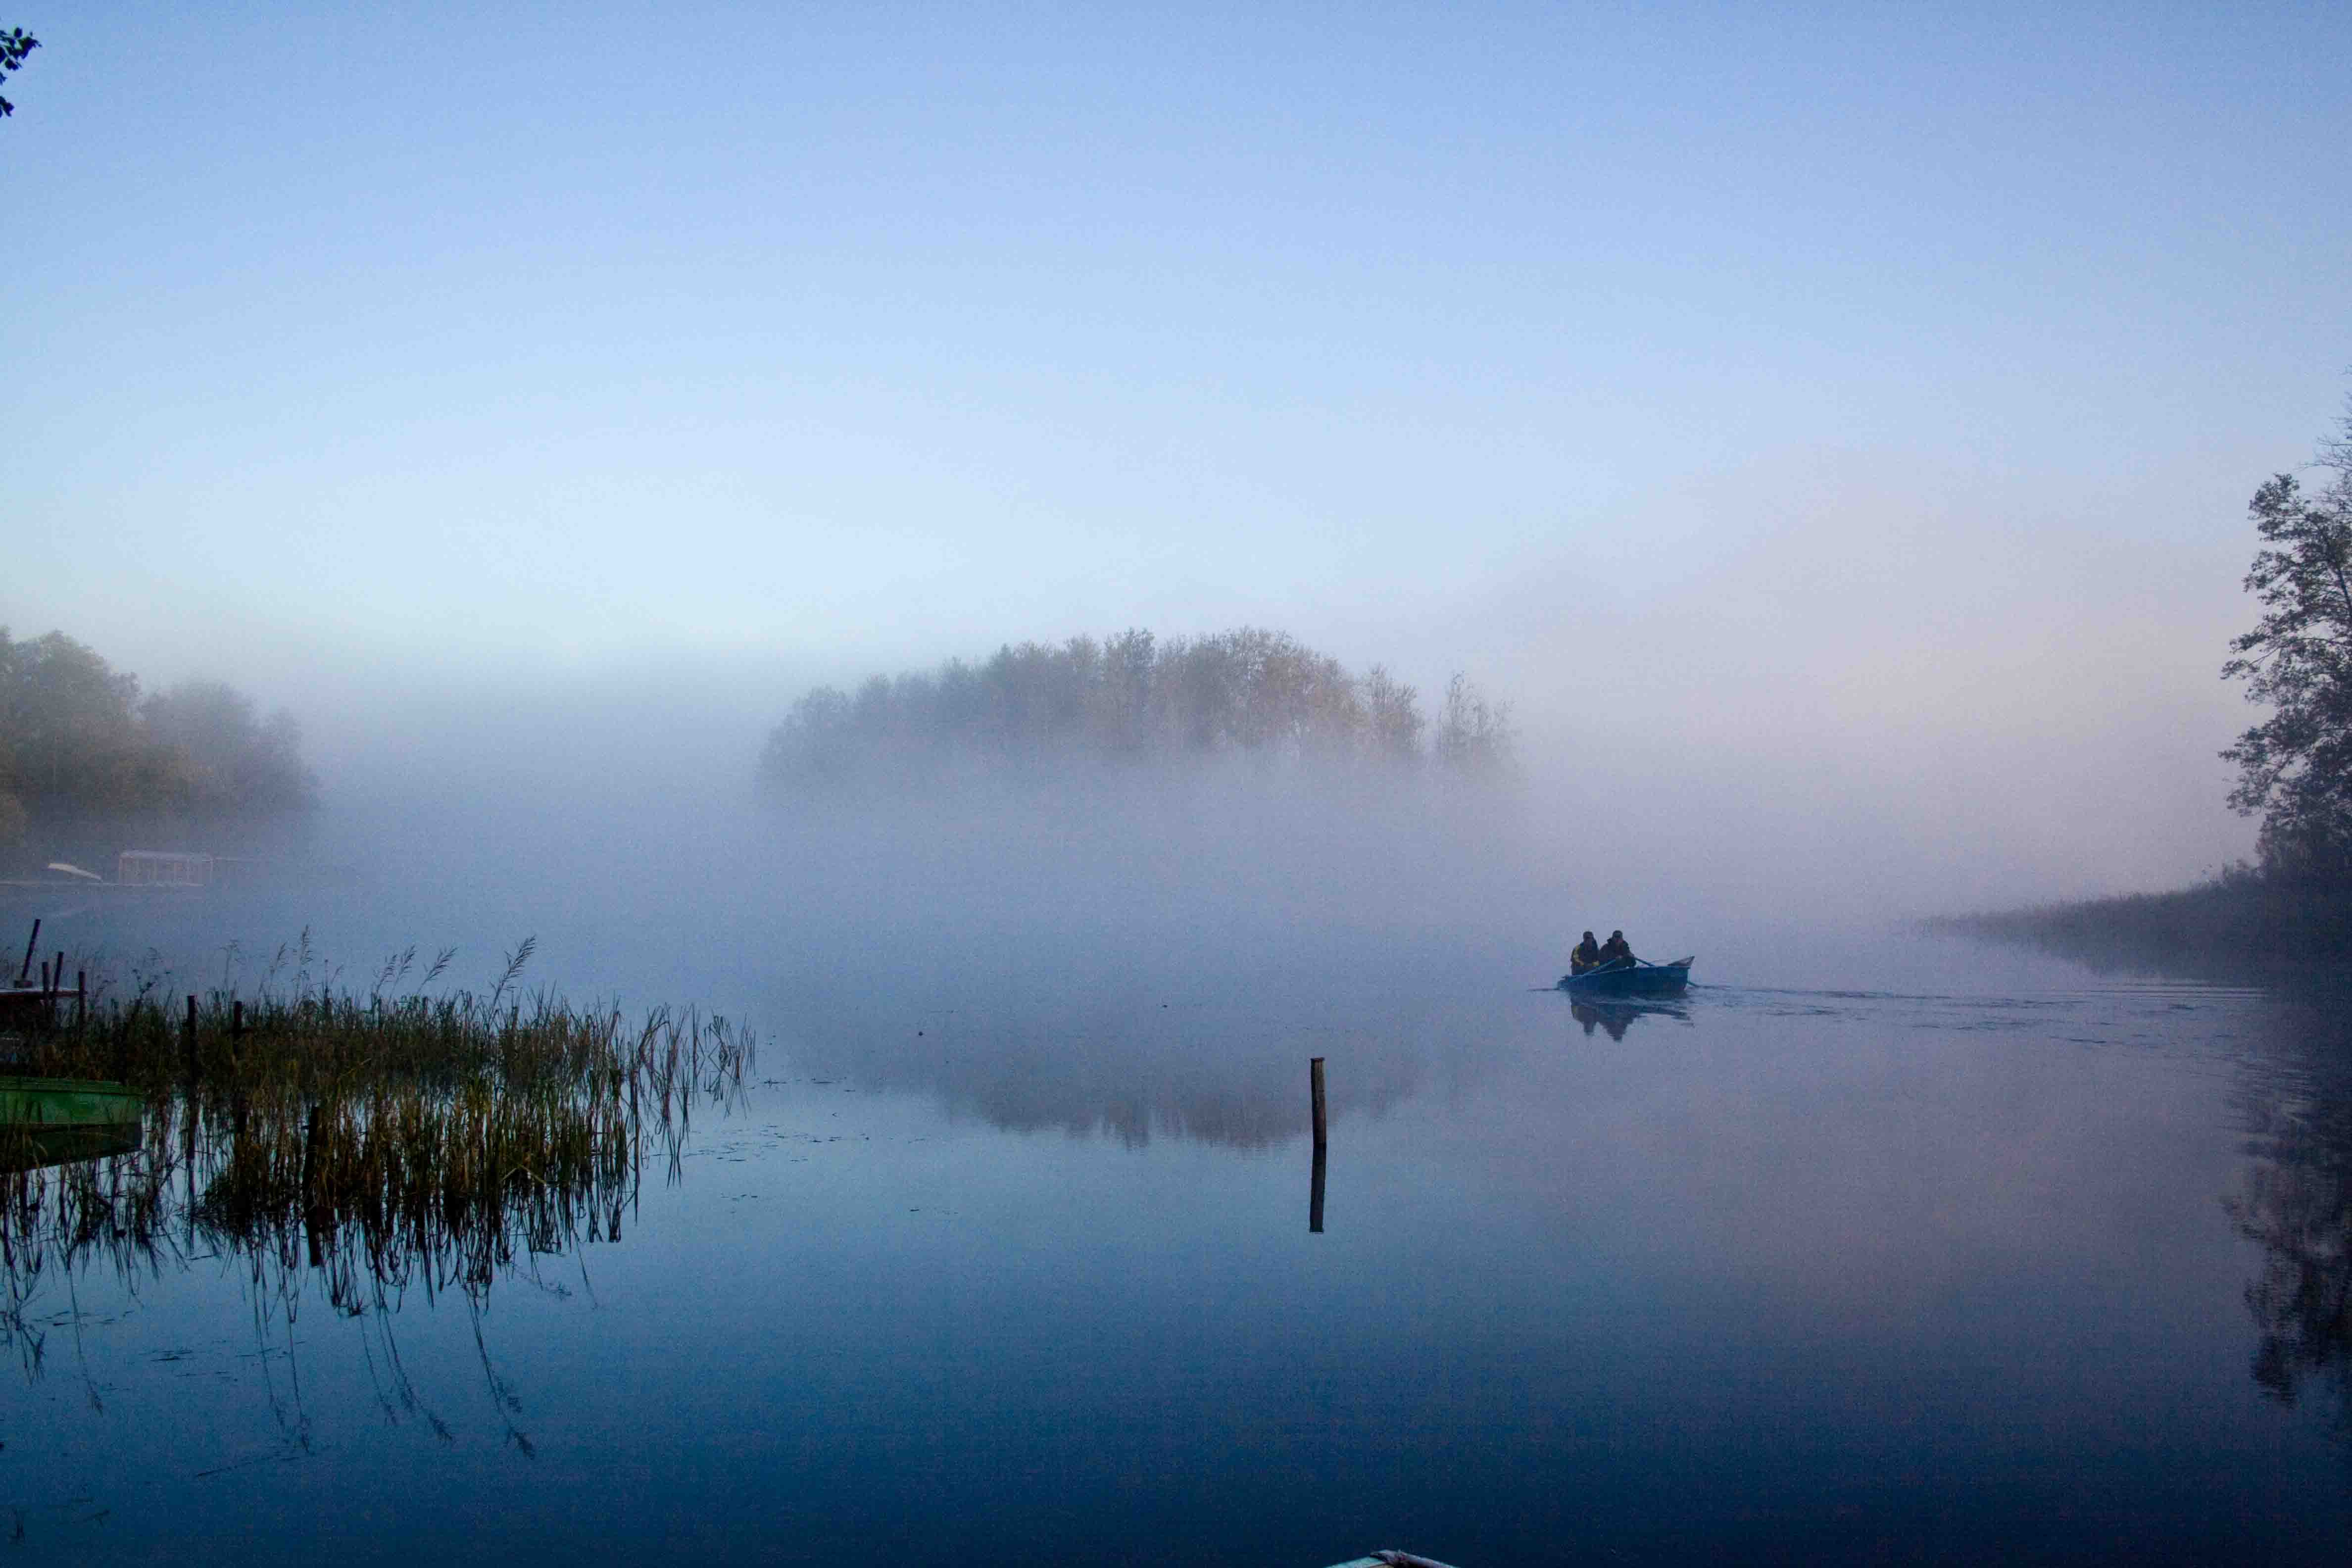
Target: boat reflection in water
[[1616, 1017], [36, 1147]]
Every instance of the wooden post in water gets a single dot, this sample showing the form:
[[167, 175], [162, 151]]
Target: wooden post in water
[[1314, 1179], [1315, 1194], [310, 1153], [312, 1221], [191, 1040], [188, 1157], [1315, 1085], [26, 967]]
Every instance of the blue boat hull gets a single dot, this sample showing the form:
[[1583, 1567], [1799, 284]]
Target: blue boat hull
[[1635, 980]]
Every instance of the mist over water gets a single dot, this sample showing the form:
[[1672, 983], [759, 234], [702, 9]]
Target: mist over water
[[1146, 952], [1065, 945], [1006, 1237]]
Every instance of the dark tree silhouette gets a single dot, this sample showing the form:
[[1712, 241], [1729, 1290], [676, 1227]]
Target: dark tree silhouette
[[2294, 768], [15, 44]]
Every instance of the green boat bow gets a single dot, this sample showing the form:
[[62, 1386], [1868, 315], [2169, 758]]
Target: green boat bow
[[66, 1102]]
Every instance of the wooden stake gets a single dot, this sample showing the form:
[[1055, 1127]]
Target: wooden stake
[[1314, 1178], [310, 1156], [1315, 1085], [26, 968], [1315, 1193]]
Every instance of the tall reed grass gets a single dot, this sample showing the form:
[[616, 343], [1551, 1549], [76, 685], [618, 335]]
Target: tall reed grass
[[314, 1037], [374, 1142]]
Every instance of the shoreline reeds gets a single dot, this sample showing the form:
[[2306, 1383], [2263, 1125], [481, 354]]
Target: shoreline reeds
[[312, 1037], [374, 1140]]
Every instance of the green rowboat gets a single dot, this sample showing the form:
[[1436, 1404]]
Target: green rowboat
[[66, 1102], [61, 1121]]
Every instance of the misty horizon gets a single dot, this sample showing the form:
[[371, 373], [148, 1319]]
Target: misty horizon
[[1770, 501], [873, 742]]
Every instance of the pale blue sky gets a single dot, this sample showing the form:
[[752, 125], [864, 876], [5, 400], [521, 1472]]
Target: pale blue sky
[[1888, 365]]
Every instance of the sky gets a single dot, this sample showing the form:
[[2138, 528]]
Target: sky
[[1829, 427]]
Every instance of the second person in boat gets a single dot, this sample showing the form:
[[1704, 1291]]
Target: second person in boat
[[1616, 953]]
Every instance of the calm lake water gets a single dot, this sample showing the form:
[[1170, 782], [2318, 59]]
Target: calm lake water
[[1873, 1250]]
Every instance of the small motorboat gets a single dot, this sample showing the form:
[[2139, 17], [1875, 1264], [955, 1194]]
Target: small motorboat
[[1638, 978]]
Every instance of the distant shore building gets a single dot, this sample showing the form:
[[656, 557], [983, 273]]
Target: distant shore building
[[162, 869]]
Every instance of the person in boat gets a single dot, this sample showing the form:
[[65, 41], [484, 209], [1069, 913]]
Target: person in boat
[[1586, 954], [1616, 953]]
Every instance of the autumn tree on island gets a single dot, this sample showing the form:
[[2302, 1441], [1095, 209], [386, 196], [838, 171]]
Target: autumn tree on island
[[2294, 768], [1131, 698], [81, 750]]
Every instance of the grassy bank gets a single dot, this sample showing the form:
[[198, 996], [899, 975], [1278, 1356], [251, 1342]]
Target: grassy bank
[[2244, 922]]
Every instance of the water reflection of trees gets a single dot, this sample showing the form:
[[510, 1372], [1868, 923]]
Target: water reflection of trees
[[1132, 1080], [1253, 1103], [2295, 1201]]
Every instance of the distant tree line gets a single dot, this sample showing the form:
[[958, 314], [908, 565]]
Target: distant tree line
[[1132, 698], [81, 745], [2238, 925]]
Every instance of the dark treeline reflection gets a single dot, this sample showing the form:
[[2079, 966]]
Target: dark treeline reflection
[[1132, 698], [2296, 1201]]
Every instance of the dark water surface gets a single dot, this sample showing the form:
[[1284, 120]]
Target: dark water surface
[[1916, 1253]]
